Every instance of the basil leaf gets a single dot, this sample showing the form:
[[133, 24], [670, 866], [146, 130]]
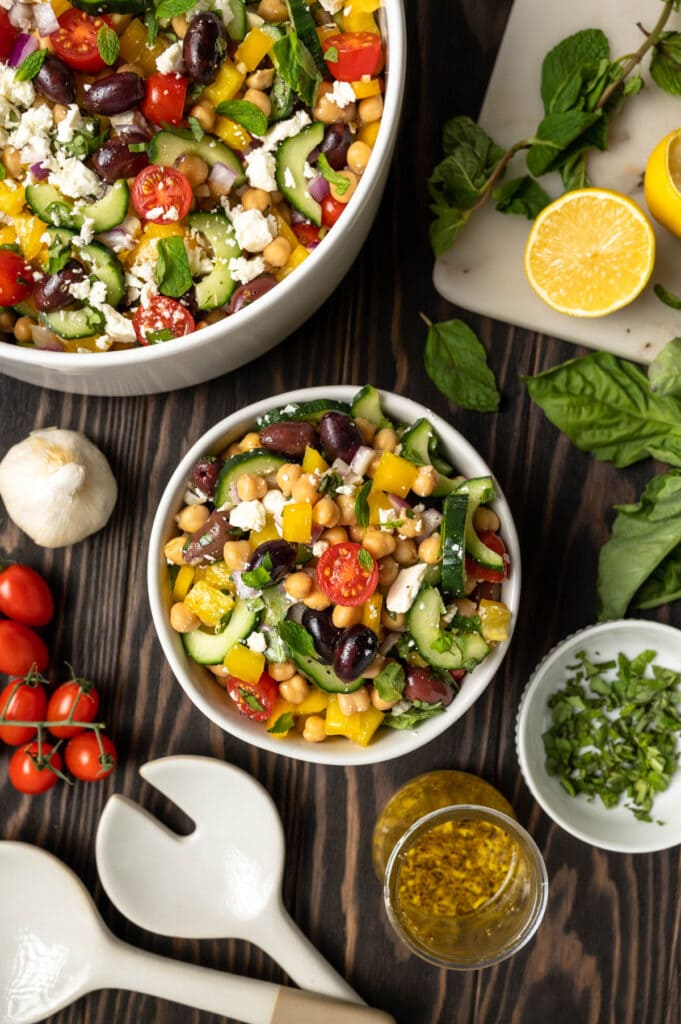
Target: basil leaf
[[164, 334], [295, 64], [664, 373], [30, 67], [244, 113], [605, 406], [669, 299], [249, 698], [168, 9], [522, 195], [414, 715], [283, 723], [663, 585], [642, 536], [665, 64], [362, 505], [173, 274], [196, 129], [108, 45], [297, 638], [340, 183], [151, 24], [390, 681], [456, 362]]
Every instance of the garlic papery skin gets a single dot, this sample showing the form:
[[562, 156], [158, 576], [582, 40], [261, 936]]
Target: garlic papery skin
[[57, 487]]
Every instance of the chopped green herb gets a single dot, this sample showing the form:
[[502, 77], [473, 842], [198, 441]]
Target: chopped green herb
[[297, 638], [390, 681], [173, 274], [30, 67], [260, 576], [165, 334], [168, 9], [365, 559], [331, 55], [197, 130], [339, 182], [250, 699], [108, 45], [283, 723], [362, 505], [244, 113]]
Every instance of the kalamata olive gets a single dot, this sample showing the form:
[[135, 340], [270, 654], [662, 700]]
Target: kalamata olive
[[245, 294], [56, 81], [205, 475], [114, 93], [114, 160], [323, 632], [290, 437], [204, 48], [54, 290], [188, 300], [355, 651], [339, 435], [422, 684], [337, 139], [206, 544], [281, 557], [487, 591]]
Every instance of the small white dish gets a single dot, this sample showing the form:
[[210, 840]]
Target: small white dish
[[608, 828]]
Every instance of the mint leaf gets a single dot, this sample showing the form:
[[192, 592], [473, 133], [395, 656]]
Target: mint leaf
[[173, 274], [30, 67], [297, 638], [58, 255], [151, 23], [168, 9], [331, 55], [522, 195], [390, 681], [108, 45], [296, 65], [456, 362], [365, 559], [471, 157], [568, 61], [362, 506], [249, 698], [164, 334], [664, 373], [665, 64], [340, 183], [196, 129], [244, 113], [554, 135], [283, 723], [414, 715]]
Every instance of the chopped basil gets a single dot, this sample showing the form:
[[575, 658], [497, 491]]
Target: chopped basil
[[260, 576], [165, 334], [331, 55], [168, 9], [197, 130], [283, 723], [250, 699], [390, 681], [416, 713]]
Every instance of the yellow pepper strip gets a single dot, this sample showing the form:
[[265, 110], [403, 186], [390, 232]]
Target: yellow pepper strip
[[183, 582], [379, 502], [134, 48], [254, 47], [232, 133], [394, 475], [313, 461], [282, 707], [59, 6], [268, 532], [29, 231], [244, 663], [358, 727], [326, 31], [12, 197], [226, 85], [284, 229], [368, 133], [315, 702], [363, 89], [297, 522], [356, 20], [218, 575], [210, 604], [495, 619], [368, 6], [8, 235], [298, 256], [371, 613]]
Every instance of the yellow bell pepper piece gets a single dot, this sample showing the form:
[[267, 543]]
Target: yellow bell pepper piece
[[183, 582], [363, 89], [379, 502], [217, 575], [232, 133], [371, 613], [12, 198], [8, 235], [242, 662], [29, 231], [326, 31], [268, 532], [227, 83], [283, 229], [368, 133], [358, 727], [369, 6], [495, 619], [297, 522], [394, 475], [210, 604], [254, 47], [298, 256], [282, 707], [357, 20], [315, 702], [313, 461], [59, 6], [134, 48]]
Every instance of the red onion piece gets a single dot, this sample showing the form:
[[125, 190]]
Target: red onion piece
[[223, 176], [362, 459], [39, 172], [44, 338], [296, 217], [19, 15], [316, 533], [399, 504], [45, 19], [431, 520], [122, 236], [389, 642], [318, 188], [23, 46]]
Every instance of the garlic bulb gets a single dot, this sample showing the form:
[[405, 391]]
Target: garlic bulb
[[57, 487]]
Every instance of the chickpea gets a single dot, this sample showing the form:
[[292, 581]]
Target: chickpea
[[250, 441], [306, 489], [255, 199], [465, 606], [192, 517], [346, 194], [193, 168], [374, 668], [287, 476], [11, 158], [219, 670], [379, 703], [317, 600], [277, 252], [411, 526], [486, 519], [395, 622], [429, 549], [470, 585], [358, 157], [298, 585], [356, 533], [426, 481], [346, 504], [180, 25], [260, 100], [272, 10], [281, 670], [326, 512], [406, 552], [379, 543], [295, 689], [351, 703], [387, 571], [172, 551], [343, 617], [234, 449], [386, 440], [59, 112], [215, 316], [6, 320], [135, 69], [182, 619], [261, 79], [370, 109], [251, 487], [237, 554], [336, 535], [366, 428], [204, 112], [314, 730], [327, 111]]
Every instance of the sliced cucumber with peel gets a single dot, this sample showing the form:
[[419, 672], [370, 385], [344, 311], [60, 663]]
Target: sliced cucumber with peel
[[74, 323], [323, 675], [215, 288], [258, 460], [480, 491], [311, 411], [211, 648], [292, 156], [453, 544], [50, 206], [167, 147]]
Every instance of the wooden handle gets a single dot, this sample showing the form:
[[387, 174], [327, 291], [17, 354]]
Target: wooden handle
[[294, 1006]]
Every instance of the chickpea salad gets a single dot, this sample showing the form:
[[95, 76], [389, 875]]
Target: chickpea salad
[[333, 572], [164, 163]]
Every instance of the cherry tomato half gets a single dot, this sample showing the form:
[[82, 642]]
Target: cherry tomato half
[[331, 211], [307, 234], [482, 572], [77, 700], [16, 278], [75, 41], [8, 34], [21, 649], [162, 320], [30, 777], [21, 701], [164, 98], [89, 761], [255, 700], [343, 576], [161, 194], [25, 596], [357, 53]]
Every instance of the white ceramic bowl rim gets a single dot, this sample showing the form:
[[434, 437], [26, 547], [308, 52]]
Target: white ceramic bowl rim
[[391, 743]]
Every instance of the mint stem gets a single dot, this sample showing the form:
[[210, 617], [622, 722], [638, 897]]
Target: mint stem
[[637, 57]]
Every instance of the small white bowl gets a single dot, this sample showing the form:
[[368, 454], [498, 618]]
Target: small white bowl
[[201, 686], [613, 828]]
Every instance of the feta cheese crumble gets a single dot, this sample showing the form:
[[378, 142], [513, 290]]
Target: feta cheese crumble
[[402, 593], [170, 60], [342, 94], [244, 270], [260, 170], [248, 515]]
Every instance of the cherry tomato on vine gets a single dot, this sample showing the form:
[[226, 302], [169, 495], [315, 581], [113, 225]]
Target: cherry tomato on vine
[[78, 700], [483, 572], [331, 211], [30, 777], [162, 320], [16, 278], [162, 194], [21, 701], [89, 757], [255, 700], [75, 41], [355, 54], [25, 596], [347, 574], [164, 98], [20, 649]]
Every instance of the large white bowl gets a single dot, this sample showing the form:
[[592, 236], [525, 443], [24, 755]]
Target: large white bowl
[[223, 346], [203, 689]]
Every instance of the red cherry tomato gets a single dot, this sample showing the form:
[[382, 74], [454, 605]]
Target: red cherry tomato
[[21, 701], [255, 700], [482, 572], [16, 278], [358, 54], [75, 41], [25, 596], [331, 211], [307, 235], [162, 320], [89, 761], [164, 98], [30, 777], [21, 649], [342, 575], [423, 684], [77, 700], [161, 194], [8, 35]]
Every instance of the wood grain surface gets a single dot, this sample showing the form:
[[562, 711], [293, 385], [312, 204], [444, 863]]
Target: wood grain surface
[[608, 951]]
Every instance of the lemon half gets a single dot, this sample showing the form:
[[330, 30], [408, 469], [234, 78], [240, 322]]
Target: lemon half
[[662, 182]]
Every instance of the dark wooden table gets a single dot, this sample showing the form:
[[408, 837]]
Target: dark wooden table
[[608, 951]]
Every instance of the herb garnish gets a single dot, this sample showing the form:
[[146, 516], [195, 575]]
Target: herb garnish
[[365, 559], [30, 67], [244, 113], [297, 638], [456, 362], [108, 45], [283, 723], [362, 505], [249, 698], [260, 576], [173, 274], [339, 181]]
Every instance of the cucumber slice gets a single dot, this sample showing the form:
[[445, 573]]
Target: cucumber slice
[[453, 532], [103, 263], [420, 444], [236, 29], [215, 288], [257, 460], [167, 147], [367, 404], [435, 646], [74, 323], [473, 648], [282, 99], [310, 411], [291, 158], [211, 648], [304, 24], [480, 491], [323, 675], [49, 205], [95, 7]]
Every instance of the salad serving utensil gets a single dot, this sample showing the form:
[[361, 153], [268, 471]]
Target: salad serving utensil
[[54, 948], [223, 880]]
